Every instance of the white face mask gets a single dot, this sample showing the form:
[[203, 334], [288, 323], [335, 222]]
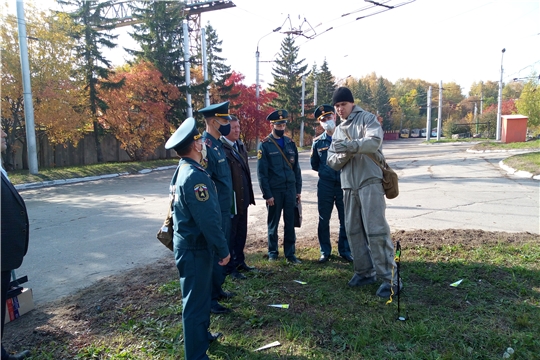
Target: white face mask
[[203, 153], [328, 125]]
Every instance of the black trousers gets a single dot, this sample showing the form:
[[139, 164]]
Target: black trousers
[[6, 279], [237, 243]]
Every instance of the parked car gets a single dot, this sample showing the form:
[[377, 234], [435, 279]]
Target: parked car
[[415, 133], [423, 133], [404, 133]]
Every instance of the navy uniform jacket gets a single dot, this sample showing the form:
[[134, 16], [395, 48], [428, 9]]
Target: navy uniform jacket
[[15, 227], [272, 169], [319, 152], [218, 169], [195, 211]]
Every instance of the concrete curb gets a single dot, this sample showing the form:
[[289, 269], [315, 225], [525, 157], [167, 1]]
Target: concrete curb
[[508, 169], [40, 184]]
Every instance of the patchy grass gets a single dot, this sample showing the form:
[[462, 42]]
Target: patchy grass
[[495, 307], [494, 145], [525, 162], [69, 172]]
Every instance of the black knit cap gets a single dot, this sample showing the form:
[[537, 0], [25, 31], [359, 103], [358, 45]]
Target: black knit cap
[[342, 94]]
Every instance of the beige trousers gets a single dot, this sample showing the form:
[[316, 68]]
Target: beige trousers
[[368, 232]]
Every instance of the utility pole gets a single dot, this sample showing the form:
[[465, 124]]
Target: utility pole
[[205, 66], [27, 92], [499, 107], [187, 67], [439, 120], [302, 123], [475, 116], [315, 93], [428, 117]]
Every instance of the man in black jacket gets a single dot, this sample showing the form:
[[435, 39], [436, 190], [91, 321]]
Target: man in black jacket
[[242, 198], [14, 241]]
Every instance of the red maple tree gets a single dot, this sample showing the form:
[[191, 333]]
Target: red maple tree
[[137, 111], [244, 103]]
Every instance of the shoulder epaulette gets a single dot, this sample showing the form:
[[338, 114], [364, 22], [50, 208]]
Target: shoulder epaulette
[[265, 139], [317, 137]]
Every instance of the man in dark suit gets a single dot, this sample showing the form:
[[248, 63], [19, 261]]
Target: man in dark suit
[[14, 241], [242, 198]]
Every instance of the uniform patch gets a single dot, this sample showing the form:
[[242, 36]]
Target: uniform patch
[[201, 192], [259, 154]]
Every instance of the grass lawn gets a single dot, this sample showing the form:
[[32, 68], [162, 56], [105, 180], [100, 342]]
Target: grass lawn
[[69, 172], [496, 306]]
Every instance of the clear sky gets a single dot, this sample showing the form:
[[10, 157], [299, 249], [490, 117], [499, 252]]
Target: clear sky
[[433, 40]]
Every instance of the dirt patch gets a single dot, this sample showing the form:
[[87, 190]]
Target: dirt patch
[[79, 317]]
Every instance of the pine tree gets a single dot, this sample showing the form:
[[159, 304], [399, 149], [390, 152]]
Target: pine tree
[[365, 95], [218, 71], [382, 101], [160, 38], [287, 83], [91, 35], [325, 85]]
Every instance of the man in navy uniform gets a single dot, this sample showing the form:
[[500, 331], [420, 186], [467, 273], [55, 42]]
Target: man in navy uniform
[[242, 197], [281, 184], [217, 124], [329, 190], [198, 238]]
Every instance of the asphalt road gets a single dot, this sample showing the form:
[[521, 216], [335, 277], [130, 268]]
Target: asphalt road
[[83, 232]]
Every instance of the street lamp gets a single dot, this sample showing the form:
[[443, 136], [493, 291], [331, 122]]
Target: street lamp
[[257, 83], [499, 107]]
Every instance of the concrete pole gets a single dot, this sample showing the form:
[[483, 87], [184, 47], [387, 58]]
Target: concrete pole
[[428, 117], [439, 120], [475, 116], [257, 96], [27, 92], [499, 106], [187, 67], [315, 88], [205, 66], [302, 123]]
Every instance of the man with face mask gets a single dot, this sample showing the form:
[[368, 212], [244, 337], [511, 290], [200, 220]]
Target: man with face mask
[[198, 239], [280, 180], [329, 190], [218, 124]]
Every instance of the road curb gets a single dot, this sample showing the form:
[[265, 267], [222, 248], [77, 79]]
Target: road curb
[[40, 184], [508, 169]]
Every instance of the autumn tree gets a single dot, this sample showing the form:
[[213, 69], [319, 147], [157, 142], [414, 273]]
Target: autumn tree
[[487, 91], [57, 116], [159, 34], [91, 36], [244, 105], [529, 103], [287, 73], [137, 111]]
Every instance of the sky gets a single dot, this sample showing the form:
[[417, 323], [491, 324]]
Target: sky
[[457, 41]]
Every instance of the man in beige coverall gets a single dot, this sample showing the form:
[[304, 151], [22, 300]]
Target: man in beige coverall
[[360, 133]]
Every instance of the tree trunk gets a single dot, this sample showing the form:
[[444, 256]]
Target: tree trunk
[[97, 139]]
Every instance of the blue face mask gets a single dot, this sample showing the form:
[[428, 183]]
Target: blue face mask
[[224, 130]]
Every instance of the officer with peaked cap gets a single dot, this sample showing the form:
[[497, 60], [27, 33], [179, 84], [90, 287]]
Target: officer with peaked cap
[[217, 124], [198, 238], [280, 181], [328, 188]]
